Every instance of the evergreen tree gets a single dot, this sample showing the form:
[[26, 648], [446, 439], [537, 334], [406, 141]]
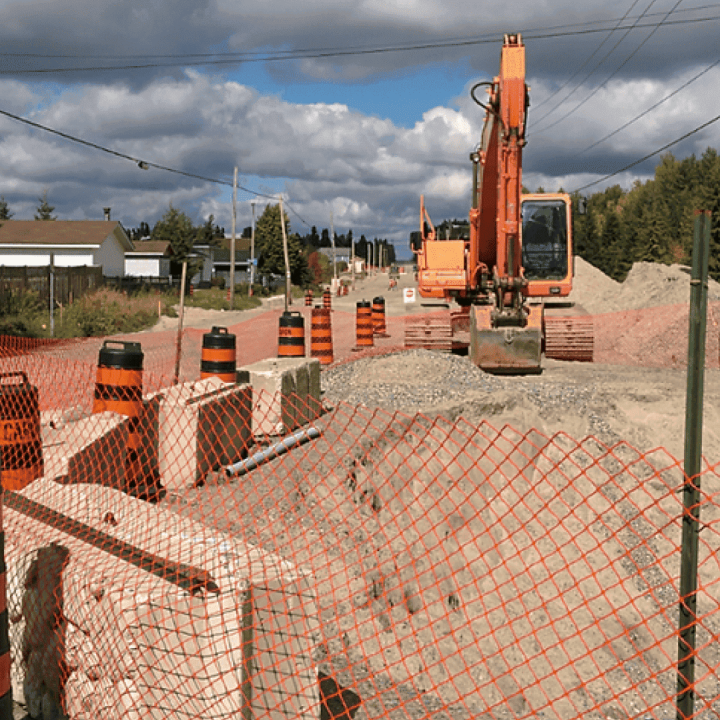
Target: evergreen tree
[[44, 210], [209, 234], [269, 247], [5, 213]]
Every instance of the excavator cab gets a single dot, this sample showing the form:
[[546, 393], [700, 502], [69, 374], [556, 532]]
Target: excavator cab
[[546, 242]]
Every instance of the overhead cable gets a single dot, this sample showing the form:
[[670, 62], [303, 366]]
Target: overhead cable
[[333, 53], [649, 155]]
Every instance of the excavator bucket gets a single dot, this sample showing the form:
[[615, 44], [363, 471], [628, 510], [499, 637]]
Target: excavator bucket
[[505, 350]]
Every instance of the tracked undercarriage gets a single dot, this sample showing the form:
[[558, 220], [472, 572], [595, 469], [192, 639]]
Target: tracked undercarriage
[[565, 333]]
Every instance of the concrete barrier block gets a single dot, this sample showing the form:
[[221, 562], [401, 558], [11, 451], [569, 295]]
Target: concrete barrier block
[[145, 647], [91, 449], [286, 392], [202, 426]]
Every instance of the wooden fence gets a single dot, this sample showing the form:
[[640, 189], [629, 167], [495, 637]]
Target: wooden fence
[[69, 283]]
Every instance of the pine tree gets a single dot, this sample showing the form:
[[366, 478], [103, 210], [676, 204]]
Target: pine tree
[[44, 210], [269, 246], [5, 213]]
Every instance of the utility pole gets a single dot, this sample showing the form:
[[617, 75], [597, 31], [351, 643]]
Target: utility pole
[[252, 249], [52, 294], [288, 300], [232, 241], [332, 239], [352, 262]]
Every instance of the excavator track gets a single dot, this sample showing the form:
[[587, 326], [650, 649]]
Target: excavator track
[[569, 338], [432, 333], [443, 332]]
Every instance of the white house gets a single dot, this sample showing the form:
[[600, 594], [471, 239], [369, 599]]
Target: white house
[[150, 258], [65, 243]]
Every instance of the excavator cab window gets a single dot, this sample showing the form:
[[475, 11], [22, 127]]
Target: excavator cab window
[[544, 239]]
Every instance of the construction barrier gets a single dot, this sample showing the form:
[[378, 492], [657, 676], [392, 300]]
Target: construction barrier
[[119, 384], [386, 563], [327, 299], [308, 561], [218, 355], [378, 316], [363, 325], [321, 342], [291, 335], [20, 444], [308, 298]]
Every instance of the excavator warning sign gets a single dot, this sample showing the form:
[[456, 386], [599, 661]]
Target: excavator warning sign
[[409, 295]]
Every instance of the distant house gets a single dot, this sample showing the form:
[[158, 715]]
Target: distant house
[[65, 243], [216, 261], [150, 259]]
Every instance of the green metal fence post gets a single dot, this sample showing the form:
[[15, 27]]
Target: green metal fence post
[[6, 701], [693, 452]]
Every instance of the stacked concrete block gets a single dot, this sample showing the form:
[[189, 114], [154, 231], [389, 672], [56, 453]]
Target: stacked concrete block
[[136, 644], [86, 449], [202, 426], [281, 626], [286, 393]]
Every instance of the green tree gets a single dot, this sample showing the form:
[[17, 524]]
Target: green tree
[[269, 247], [5, 213], [44, 210], [209, 234], [176, 228]]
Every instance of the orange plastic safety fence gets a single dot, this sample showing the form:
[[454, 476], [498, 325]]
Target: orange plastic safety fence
[[646, 337], [258, 555]]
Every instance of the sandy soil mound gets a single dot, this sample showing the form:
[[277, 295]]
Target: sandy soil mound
[[647, 285]]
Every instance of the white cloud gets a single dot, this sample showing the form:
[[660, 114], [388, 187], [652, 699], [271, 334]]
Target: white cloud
[[370, 170]]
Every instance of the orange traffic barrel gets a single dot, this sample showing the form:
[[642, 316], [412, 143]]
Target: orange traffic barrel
[[291, 335], [6, 703], [364, 325], [308, 298], [327, 299], [118, 385], [321, 343], [378, 316], [218, 355], [20, 441]]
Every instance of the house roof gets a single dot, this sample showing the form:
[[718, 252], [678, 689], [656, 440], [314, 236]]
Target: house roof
[[61, 232], [221, 255], [152, 247]]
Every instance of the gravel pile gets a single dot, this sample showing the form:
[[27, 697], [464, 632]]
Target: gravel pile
[[409, 381]]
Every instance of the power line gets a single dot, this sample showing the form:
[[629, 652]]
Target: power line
[[647, 157], [616, 71], [581, 68], [652, 107], [333, 53]]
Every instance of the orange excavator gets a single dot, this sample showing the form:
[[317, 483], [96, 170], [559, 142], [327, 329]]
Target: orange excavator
[[518, 255]]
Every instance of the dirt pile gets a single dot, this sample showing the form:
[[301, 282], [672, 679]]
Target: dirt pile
[[647, 285]]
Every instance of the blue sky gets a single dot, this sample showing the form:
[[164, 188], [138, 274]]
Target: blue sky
[[360, 135]]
